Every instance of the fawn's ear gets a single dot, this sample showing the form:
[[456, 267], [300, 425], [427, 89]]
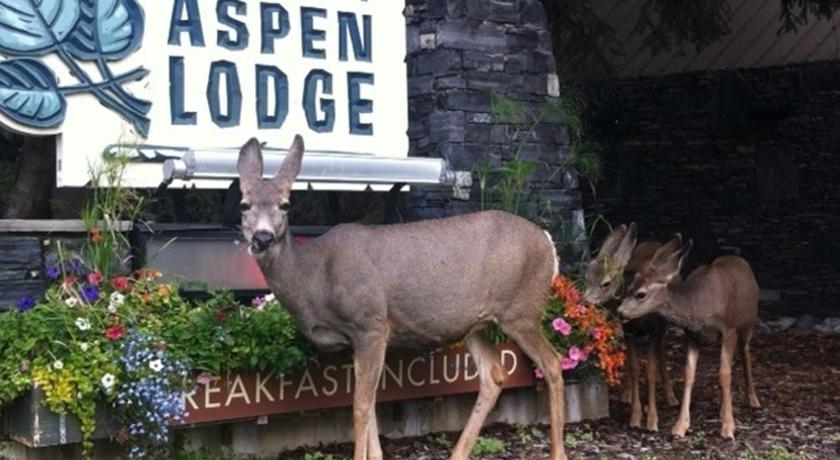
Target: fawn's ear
[[625, 249], [250, 164], [669, 262], [610, 244], [290, 168]]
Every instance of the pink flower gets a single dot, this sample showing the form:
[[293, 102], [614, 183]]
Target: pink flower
[[574, 354], [94, 277], [538, 373], [568, 364], [203, 378], [560, 325]]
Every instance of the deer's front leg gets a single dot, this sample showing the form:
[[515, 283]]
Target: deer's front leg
[[727, 351], [368, 360], [684, 419], [633, 381], [652, 422]]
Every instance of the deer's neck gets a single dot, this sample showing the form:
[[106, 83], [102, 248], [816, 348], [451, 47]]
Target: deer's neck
[[286, 270], [686, 308]]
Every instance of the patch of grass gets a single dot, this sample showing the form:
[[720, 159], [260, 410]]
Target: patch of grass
[[318, 455], [488, 446], [573, 439], [527, 434], [441, 440], [776, 452]]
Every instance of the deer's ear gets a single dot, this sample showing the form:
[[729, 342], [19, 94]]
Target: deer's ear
[[675, 261], [625, 249], [610, 244], [290, 168], [250, 164]]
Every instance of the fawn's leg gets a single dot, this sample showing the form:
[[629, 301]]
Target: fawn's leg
[[652, 420], [684, 419], [729, 341], [633, 381], [368, 360], [530, 338], [744, 339], [491, 375], [662, 365]]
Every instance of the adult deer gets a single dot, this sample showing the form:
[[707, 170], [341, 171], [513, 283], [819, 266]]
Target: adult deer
[[417, 285], [607, 276], [721, 297]]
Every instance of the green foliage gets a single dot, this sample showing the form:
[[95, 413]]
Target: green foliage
[[527, 434], [671, 24], [220, 334], [488, 446], [441, 440], [795, 13], [776, 452], [579, 436]]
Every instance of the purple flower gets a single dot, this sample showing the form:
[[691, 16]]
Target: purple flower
[[52, 271], [25, 303], [90, 292]]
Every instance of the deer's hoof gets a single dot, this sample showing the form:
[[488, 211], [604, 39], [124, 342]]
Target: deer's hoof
[[652, 425], [754, 402], [636, 421], [672, 400], [679, 429], [727, 431]]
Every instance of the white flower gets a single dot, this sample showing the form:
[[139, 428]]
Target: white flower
[[84, 346], [112, 308], [156, 365], [269, 298], [58, 365], [82, 323], [117, 298], [107, 381], [72, 301]]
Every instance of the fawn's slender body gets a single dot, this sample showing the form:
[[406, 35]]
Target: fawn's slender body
[[416, 285], [719, 298], [607, 277]]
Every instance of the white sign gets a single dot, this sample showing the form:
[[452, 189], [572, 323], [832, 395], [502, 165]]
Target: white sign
[[203, 74]]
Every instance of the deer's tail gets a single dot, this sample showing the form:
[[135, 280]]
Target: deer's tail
[[553, 254]]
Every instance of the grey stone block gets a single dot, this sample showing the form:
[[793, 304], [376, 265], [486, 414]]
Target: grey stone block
[[469, 101], [461, 34], [446, 126]]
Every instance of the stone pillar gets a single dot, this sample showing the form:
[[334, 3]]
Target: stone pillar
[[459, 53]]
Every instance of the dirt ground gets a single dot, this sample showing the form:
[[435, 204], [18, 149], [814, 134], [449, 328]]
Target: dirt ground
[[797, 381]]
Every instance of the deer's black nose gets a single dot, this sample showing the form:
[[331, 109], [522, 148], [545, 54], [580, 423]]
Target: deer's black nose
[[263, 239]]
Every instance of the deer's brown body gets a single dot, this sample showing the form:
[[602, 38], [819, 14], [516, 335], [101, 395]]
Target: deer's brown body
[[607, 277], [719, 298], [417, 285]]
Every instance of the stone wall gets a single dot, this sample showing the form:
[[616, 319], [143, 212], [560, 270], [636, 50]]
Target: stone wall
[[744, 162], [459, 53]]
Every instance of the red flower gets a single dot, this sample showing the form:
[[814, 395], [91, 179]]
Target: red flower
[[115, 332], [120, 283], [68, 281], [94, 277], [95, 234]]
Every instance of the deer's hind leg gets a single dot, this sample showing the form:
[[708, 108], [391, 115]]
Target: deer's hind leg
[[727, 350], [744, 338], [491, 376], [528, 334], [652, 421], [633, 344], [662, 365]]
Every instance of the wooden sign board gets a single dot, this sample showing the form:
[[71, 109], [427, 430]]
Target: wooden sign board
[[329, 384]]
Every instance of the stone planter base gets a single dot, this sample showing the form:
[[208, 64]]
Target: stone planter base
[[274, 434]]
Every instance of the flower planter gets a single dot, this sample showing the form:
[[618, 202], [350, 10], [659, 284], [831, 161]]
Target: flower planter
[[418, 394]]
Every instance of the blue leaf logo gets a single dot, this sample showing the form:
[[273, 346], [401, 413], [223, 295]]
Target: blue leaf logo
[[29, 93], [100, 31]]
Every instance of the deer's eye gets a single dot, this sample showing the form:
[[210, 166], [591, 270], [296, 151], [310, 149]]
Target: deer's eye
[[640, 295], [606, 283], [244, 207], [285, 206]]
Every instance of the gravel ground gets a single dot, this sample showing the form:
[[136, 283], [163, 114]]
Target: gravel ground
[[797, 380]]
